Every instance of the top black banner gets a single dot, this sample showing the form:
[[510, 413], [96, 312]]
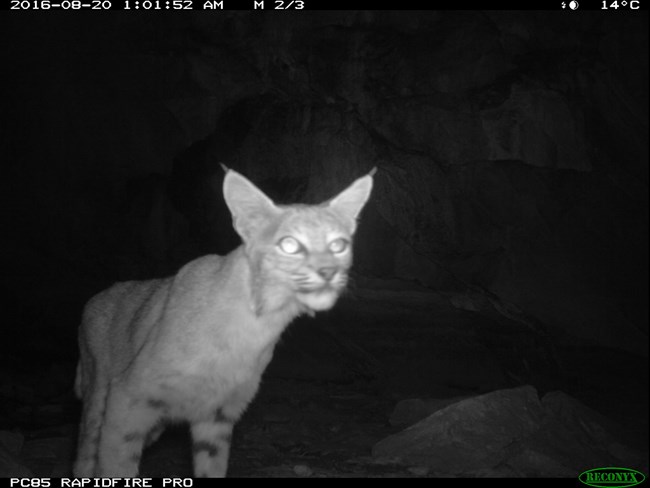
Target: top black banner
[[570, 7]]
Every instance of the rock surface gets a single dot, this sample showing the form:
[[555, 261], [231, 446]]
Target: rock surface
[[512, 433], [512, 149]]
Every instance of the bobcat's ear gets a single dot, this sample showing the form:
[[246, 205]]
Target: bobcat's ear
[[250, 208], [350, 201]]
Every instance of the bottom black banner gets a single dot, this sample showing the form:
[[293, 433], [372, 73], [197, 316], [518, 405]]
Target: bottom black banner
[[99, 482]]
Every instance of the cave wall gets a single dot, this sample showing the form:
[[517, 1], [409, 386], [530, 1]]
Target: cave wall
[[511, 147]]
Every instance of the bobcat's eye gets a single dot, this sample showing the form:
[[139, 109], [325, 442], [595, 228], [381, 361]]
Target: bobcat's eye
[[290, 245], [339, 245]]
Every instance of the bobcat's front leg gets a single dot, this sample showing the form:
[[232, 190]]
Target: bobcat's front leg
[[211, 446], [127, 422], [211, 437], [89, 431]]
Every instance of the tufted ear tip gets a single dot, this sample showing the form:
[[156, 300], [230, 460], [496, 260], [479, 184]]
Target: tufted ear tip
[[249, 206], [351, 201]]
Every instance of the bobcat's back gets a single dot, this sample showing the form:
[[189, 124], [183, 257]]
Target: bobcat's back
[[116, 322]]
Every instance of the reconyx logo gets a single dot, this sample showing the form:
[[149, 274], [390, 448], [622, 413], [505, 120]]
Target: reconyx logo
[[611, 477]]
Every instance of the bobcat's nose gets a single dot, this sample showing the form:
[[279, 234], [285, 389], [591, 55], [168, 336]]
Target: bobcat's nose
[[327, 272]]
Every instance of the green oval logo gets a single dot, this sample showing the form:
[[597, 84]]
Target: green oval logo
[[611, 477]]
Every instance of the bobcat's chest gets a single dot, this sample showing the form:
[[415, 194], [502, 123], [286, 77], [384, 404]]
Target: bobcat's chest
[[197, 390], [192, 372]]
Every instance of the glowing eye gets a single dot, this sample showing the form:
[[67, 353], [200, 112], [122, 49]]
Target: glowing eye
[[290, 245], [339, 245]]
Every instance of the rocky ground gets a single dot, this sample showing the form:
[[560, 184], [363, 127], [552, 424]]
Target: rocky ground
[[343, 387]]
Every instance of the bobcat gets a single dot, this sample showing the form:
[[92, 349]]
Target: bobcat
[[193, 347]]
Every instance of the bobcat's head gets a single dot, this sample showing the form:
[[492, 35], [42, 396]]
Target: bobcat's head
[[297, 252]]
